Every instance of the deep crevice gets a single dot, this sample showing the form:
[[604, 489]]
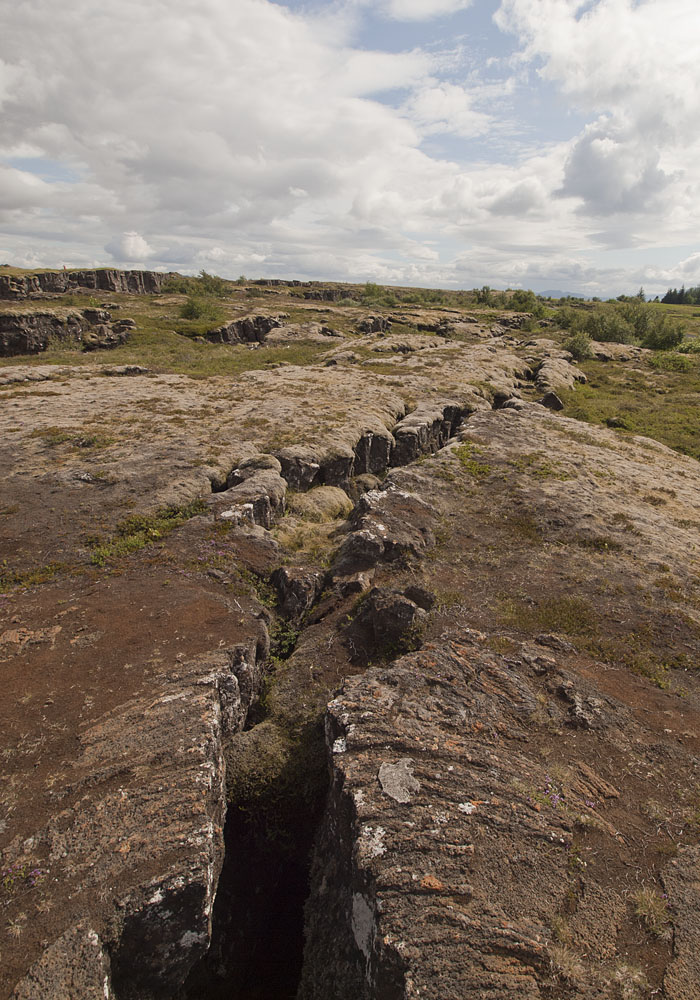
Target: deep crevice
[[256, 951]]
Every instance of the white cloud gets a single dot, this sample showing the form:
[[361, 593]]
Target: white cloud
[[634, 66], [129, 247], [422, 10], [253, 139], [445, 107]]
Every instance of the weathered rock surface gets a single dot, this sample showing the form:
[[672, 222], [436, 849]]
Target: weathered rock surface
[[142, 812], [478, 841], [374, 324], [500, 791], [31, 333], [247, 330], [425, 429], [104, 279]]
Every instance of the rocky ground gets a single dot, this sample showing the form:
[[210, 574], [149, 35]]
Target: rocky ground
[[498, 605]]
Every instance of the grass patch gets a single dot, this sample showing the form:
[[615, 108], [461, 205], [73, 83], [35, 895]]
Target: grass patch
[[633, 651], [570, 615], [54, 436], [10, 579], [651, 909], [598, 543], [467, 454], [140, 530], [660, 403]]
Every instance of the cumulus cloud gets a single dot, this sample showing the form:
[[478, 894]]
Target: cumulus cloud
[[422, 10], [634, 67], [258, 140], [130, 247], [439, 107]]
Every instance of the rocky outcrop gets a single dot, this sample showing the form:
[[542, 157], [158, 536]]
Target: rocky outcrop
[[103, 279], [444, 860], [31, 333], [389, 525], [248, 330], [425, 429], [142, 813], [374, 324]]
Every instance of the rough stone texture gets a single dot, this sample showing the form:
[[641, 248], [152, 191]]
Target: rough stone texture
[[247, 330], [142, 811], [386, 622], [557, 373], [388, 525], [31, 333], [425, 429], [374, 324], [552, 568], [492, 814], [420, 889], [104, 279], [617, 352], [445, 856], [258, 499], [298, 589], [76, 965]]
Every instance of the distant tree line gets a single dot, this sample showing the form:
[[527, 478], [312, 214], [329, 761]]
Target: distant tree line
[[682, 297]]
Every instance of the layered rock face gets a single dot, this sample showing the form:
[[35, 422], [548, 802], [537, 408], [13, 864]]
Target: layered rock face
[[142, 811], [249, 330], [31, 333], [104, 279]]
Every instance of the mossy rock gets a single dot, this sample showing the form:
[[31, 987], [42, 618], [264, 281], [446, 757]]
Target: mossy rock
[[322, 504]]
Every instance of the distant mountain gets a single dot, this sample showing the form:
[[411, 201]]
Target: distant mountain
[[556, 293]]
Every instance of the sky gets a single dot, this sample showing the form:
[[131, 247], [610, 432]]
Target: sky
[[544, 144]]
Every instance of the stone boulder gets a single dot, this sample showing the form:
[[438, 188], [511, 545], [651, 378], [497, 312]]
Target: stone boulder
[[248, 330]]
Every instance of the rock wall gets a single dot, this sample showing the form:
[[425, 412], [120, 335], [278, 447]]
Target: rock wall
[[102, 279], [31, 333], [137, 834], [248, 330]]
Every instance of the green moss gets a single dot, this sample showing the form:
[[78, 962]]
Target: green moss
[[467, 455], [140, 530], [11, 579]]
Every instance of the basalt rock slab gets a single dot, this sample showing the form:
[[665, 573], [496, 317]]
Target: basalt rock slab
[[104, 279], [424, 430], [388, 525], [137, 834], [32, 332], [248, 330], [22, 333], [445, 855], [258, 499]]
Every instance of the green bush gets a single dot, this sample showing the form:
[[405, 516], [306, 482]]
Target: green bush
[[662, 334], [525, 301], [569, 318], [578, 343], [200, 308], [607, 325], [671, 362]]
